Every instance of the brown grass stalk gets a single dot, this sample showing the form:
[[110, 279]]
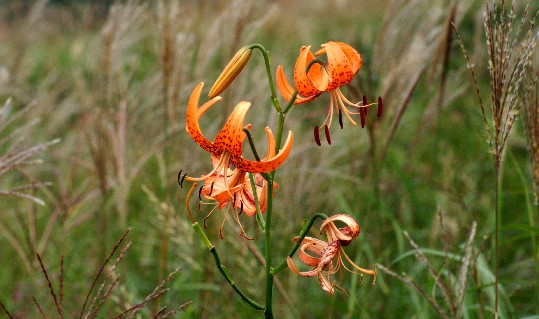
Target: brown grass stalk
[[509, 55]]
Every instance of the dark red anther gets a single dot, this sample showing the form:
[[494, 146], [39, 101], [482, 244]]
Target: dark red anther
[[317, 136], [340, 119], [328, 138], [200, 191], [211, 188], [365, 102], [241, 207], [380, 106], [362, 116], [179, 178], [234, 201]]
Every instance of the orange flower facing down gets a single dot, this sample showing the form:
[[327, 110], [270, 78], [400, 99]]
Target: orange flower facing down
[[326, 258], [343, 62], [227, 145], [234, 185], [233, 190]]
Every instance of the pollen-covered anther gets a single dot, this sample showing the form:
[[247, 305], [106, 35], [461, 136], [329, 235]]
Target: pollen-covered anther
[[362, 116], [231, 71]]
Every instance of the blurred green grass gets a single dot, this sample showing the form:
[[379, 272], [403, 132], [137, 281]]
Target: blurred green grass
[[77, 70]]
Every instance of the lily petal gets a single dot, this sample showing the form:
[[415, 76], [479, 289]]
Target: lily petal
[[353, 56], [287, 90], [338, 65], [231, 137], [313, 245], [271, 144], [293, 267], [309, 84], [269, 165], [352, 229], [193, 115]]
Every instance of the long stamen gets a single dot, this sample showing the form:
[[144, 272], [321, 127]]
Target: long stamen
[[221, 165], [242, 230], [365, 103], [366, 271], [223, 223], [209, 214], [339, 98], [187, 202]]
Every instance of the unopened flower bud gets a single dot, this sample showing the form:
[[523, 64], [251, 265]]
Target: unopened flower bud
[[231, 71]]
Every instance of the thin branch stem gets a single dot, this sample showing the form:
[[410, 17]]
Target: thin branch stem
[[307, 225], [223, 270], [265, 53]]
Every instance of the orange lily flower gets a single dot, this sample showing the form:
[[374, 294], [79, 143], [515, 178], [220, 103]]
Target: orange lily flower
[[227, 145], [326, 258], [234, 186], [343, 62]]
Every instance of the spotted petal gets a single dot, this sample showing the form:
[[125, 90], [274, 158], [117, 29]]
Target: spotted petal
[[352, 55], [314, 82], [338, 65], [265, 166], [287, 90], [193, 115], [343, 234], [231, 137]]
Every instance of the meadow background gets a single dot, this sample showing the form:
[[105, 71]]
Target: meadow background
[[92, 106]]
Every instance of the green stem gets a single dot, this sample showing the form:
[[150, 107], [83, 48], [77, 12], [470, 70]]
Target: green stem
[[265, 53], [268, 312], [304, 229], [279, 137], [259, 218], [223, 270], [291, 102], [251, 144]]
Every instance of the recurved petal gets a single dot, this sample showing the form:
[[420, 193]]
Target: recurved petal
[[271, 144], [287, 90], [305, 84], [293, 267], [265, 166], [353, 56], [193, 115], [345, 234], [231, 137], [338, 66], [314, 246]]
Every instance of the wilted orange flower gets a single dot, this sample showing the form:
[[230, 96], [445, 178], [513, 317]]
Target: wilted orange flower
[[326, 258], [343, 62], [227, 145]]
